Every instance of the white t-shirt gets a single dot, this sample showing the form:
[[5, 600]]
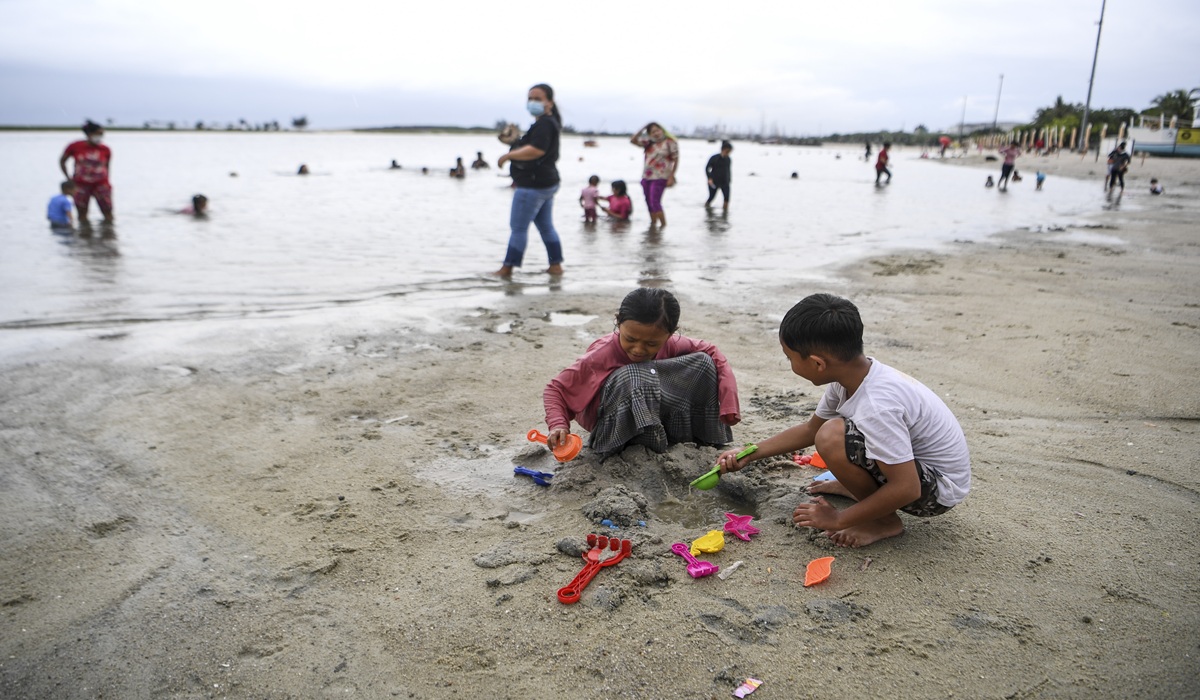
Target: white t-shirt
[[902, 419]]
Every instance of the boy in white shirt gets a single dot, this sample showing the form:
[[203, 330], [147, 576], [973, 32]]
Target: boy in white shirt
[[891, 443]]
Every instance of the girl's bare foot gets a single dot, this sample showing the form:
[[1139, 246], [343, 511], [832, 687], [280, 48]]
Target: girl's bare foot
[[555, 270], [868, 533], [505, 271], [832, 487]]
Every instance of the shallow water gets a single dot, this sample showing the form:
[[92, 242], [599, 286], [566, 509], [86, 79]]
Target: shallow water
[[354, 233]]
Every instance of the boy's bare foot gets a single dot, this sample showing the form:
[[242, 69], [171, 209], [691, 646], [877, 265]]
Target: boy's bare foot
[[868, 533], [832, 487], [555, 270], [505, 272]]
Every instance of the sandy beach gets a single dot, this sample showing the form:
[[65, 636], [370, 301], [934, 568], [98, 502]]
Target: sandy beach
[[282, 511]]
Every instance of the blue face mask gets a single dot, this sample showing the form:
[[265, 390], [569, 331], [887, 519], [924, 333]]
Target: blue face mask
[[535, 108]]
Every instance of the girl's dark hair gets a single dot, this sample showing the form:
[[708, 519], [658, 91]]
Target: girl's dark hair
[[619, 186], [550, 96], [823, 323], [91, 127], [653, 307], [594, 180]]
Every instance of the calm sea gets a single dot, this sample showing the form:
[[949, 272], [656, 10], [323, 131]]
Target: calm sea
[[355, 236]]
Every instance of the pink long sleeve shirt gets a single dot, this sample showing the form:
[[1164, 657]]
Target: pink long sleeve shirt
[[575, 393]]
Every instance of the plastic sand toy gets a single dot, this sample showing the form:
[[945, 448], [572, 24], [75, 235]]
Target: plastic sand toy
[[817, 571], [539, 478], [563, 453], [817, 461], [570, 593], [712, 542], [739, 526], [710, 478], [695, 568]]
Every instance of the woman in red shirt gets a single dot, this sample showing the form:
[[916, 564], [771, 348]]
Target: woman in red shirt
[[92, 162]]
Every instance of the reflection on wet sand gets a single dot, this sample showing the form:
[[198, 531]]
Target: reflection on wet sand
[[716, 222], [655, 272], [95, 247]]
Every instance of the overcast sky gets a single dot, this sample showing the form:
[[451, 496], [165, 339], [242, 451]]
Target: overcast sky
[[806, 68]]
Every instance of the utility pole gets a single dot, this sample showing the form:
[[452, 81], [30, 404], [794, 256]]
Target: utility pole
[[996, 116], [1087, 106], [962, 121]]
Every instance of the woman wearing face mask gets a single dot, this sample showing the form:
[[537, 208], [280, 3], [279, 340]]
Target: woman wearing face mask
[[535, 178], [662, 159], [92, 159]]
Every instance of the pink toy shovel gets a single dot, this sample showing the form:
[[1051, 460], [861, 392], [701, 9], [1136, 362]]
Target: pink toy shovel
[[695, 568]]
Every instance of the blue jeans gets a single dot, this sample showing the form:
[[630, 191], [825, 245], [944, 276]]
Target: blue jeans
[[537, 206]]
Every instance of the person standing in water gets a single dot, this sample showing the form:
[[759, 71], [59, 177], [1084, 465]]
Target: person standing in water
[[661, 160], [535, 179], [881, 164], [1010, 153], [718, 171], [92, 162]]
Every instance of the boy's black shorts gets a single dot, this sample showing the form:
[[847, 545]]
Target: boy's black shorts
[[924, 507]]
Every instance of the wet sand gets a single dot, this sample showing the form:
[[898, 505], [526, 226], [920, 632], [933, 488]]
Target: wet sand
[[286, 511]]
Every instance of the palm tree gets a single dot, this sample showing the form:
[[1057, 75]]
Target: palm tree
[[1178, 103], [1058, 113]]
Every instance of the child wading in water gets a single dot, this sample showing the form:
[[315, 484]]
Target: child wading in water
[[645, 384], [619, 205], [587, 199], [891, 443]]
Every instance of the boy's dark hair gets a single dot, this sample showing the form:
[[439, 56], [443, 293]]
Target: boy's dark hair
[[619, 186], [90, 127], [594, 180], [726, 145], [653, 307], [66, 186], [887, 144], [823, 323], [199, 201]]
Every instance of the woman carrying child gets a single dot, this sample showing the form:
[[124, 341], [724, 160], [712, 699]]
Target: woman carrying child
[[661, 160], [535, 179], [645, 384]]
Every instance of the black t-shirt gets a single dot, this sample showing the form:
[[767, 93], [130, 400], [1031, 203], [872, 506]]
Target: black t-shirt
[[718, 168], [541, 173], [1120, 160]]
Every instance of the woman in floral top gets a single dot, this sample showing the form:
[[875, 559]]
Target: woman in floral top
[[662, 158]]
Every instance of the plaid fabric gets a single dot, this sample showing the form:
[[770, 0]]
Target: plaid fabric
[[660, 403], [926, 506]]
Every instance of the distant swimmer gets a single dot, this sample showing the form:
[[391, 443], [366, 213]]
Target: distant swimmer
[[1155, 188], [480, 163], [394, 166], [303, 170], [458, 171], [990, 182], [199, 208]]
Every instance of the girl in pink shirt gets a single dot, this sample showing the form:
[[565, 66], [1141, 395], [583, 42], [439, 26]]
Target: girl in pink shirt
[[644, 384], [619, 206]]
